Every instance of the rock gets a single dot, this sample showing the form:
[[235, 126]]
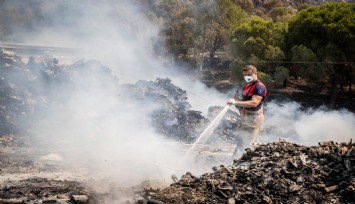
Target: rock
[[79, 198]]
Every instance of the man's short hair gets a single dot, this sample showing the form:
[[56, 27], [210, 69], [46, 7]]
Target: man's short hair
[[250, 68]]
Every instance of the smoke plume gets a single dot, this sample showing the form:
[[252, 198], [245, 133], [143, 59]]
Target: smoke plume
[[92, 122], [308, 127]]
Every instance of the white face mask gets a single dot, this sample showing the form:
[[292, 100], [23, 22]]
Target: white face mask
[[248, 78]]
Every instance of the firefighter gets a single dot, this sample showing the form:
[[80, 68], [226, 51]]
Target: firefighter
[[251, 104]]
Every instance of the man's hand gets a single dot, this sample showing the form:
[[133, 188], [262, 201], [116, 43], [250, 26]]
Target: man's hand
[[231, 101]]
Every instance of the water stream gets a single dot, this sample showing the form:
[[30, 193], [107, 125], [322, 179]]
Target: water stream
[[206, 133]]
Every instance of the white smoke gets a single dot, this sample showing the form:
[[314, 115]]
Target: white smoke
[[288, 121], [96, 125], [338, 126]]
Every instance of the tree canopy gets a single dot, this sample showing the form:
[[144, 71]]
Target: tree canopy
[[327, 30], [325, 34], [258, 41]]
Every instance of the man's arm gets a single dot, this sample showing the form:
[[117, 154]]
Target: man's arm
[[254, 102]]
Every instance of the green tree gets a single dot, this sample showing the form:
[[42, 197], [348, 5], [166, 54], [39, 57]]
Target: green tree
[[328, 31], [281, 75], [266, 79], [247, 5], [259, 42], [306, 65], [177, 26], [236, 68], [281, 13], [213, 22], [193, 29]]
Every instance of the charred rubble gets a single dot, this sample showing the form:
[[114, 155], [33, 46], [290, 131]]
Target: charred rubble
[[12, 94], [229, 125], [279, 172], [42, 190], [173, 117], [27, 88]]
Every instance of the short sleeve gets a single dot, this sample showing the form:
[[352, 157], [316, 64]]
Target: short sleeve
[[259, 90]]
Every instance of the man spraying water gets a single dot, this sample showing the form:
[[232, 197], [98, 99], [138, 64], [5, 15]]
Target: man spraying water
[[250, 106]]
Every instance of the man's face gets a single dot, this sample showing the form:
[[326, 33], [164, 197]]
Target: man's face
[[250, 73]]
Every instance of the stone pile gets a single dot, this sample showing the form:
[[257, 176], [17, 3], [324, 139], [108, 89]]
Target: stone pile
[[279, 172]]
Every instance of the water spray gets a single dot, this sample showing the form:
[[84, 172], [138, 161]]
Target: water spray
[[206, 133]]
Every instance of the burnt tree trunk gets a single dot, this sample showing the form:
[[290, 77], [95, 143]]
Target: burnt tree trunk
[[341, 83], [350, 85], [351, 77], [334, 90], [218, 42]]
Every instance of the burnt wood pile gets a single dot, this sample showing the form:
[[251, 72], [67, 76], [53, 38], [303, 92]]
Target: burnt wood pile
[[279, 172]]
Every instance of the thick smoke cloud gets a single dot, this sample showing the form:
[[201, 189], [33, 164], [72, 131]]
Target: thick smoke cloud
[[93, 122]]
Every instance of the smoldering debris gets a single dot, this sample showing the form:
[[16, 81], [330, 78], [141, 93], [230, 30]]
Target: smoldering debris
[[173, 116], [42, 190], [29, 90], [279, 172], [12, 93], [229, 125]]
